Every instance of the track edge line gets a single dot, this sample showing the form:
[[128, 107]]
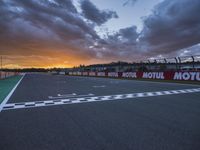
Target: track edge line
[[10, 94]]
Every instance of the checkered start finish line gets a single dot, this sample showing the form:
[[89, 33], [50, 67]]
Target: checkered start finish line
[[22, 105]]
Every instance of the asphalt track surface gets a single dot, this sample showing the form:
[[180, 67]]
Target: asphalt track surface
[[169, 122]]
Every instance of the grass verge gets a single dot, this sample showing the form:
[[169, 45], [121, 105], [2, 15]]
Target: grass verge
[[6, 85]]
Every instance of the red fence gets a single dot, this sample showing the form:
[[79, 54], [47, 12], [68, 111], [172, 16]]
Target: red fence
[[4, 74], [168, 75]]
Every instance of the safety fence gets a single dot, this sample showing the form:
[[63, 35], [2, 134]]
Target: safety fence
[[186, 63], [166, 75], [4, 74]]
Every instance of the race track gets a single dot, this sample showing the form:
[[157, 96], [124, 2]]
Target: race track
[[48, 112]]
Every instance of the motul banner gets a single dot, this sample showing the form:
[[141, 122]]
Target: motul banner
[[167, 75], [92, 73], [129, 75], [113, 74], [101, 74], [193, 76], [153, 75]]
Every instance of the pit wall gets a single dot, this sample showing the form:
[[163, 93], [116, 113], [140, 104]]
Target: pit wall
[[4, 74], [168, 75]]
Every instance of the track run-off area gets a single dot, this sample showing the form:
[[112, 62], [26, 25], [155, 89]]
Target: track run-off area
[[89, 113]]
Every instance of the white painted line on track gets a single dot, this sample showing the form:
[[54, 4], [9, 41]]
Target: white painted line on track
[[73, 94], [10, 94], [169, 83], [98, 86], [57, 97], [23, 105]]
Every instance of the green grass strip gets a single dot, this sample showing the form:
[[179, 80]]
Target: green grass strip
[[6, 85]]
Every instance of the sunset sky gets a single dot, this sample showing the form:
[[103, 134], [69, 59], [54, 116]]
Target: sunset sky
[[67, 33]]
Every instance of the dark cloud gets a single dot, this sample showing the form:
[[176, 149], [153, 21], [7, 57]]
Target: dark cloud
[[129, 34], [49, 27], [91, 12], [174, 25], [128, 2], [119, 46], [32, 25]]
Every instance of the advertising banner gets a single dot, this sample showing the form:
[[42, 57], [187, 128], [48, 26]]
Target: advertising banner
[[167, 75]]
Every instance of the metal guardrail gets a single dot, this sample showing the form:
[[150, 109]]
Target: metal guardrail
[[183, 59], [187, 63]]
